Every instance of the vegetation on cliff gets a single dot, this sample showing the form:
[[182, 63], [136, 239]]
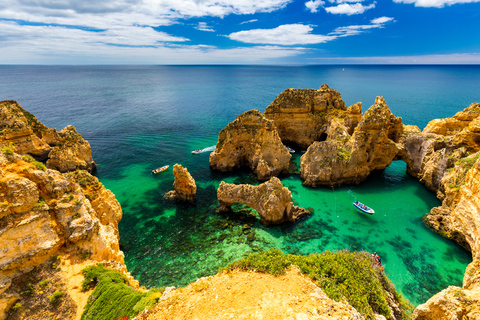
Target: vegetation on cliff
[[342, 275], [113, 297]]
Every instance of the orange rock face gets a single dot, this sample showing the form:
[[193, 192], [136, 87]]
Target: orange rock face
[[302, 115], [349, 159], [44, 214], [64, 151], [251, 141]]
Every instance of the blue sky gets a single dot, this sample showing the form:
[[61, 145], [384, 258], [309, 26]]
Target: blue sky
[[279, 32]]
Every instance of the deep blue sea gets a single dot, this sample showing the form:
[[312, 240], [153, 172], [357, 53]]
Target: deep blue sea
[[137, 118]]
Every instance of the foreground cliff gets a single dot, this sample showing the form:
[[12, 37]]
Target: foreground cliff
[[64, 150], [45, 215]]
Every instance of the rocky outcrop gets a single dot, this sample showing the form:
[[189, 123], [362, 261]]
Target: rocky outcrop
[[302, 115], [184, 185], [445, 157], [349, 159], [251, 141], [64, 151], [271, 200], [45, 214]]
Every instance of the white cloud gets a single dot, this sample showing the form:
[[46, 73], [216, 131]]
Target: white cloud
[[313, 5], [202, 26], [249, 21], [435, 3], [349, 9], [381, 20], [287, 34], [103, 13], [299, 34]]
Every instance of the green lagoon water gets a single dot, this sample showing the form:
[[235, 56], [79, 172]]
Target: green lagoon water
[[138, 118]]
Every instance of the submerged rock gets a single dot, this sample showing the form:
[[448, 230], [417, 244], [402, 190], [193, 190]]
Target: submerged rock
[[64, 151], [251, 141], [184, 185], [272, 201]]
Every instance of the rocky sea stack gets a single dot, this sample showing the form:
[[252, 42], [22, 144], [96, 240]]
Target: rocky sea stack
[[251, 141], [184, 185]]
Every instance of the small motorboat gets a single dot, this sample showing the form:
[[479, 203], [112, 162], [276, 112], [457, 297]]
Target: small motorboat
[[360, 206], [208, 149], [290, 150], [161, 169]]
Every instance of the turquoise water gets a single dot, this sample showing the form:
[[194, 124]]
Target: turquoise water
[[140, 118]]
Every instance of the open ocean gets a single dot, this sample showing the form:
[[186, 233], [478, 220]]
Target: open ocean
[[138, 118]]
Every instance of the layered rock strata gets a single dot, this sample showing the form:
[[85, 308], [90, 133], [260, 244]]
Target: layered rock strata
[[64, 151], [45, 214], [302, 115], [252, 141], [184, 185], [349, 159], [271, 200]]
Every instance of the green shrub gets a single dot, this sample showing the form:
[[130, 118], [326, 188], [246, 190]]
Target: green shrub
[[341, 274], [39, 166], [43, 283], [113, 297], [55, 297], [8, 151], [17, 306], [28, 158]]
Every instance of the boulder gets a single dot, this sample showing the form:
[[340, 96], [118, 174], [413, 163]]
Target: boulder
[[271, 200], [252, 141]]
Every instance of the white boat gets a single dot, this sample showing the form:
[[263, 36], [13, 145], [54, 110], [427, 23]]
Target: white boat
[[360, 206], [161, 169], [198, 151], [290, 150]]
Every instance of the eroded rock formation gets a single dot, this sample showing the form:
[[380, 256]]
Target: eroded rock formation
[[302, 115], [184, 185], [251, 141], [45, 214], [64, 151], [271, 199], [349, 159]]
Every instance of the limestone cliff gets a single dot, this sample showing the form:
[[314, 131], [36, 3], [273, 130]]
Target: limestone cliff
[[272, 201], [302, 115], [349, 159], [64, 151], [44, 214], [184, 185], [251, 141]]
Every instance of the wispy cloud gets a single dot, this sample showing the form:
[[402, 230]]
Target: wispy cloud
[[456, 58], [249, 21], [435, 3], [300, 34], [202, 26]]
